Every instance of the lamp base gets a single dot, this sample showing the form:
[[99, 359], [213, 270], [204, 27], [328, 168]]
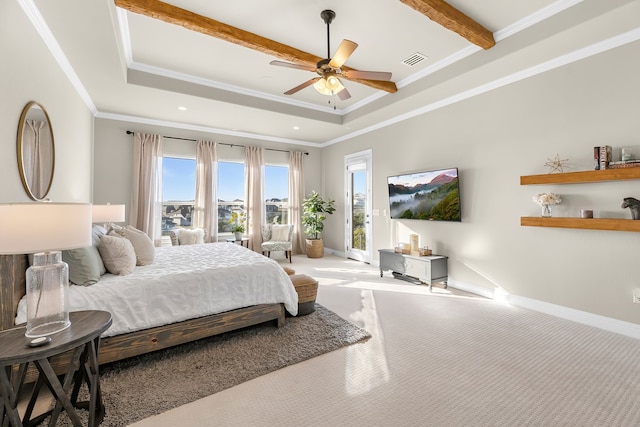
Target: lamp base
[[47, 300]]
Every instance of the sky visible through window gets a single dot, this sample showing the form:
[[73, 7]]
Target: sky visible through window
[[359, 183], [179, 180]]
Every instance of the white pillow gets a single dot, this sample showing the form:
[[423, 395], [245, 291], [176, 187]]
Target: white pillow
[[280, 233], [142, 244], [117, 254], [191, 237]]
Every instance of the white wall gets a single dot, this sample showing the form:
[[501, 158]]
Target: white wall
[[495, 138], [28, 72], [113, 156]]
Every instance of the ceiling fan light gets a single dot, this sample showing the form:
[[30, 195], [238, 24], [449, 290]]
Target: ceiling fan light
[[328, 86], [321, 86], [333, 84]]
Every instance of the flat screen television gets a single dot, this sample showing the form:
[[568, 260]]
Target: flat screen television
[[430, 195]]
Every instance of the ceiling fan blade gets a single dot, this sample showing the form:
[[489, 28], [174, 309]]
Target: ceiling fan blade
[[387, 86], [290, 65], [343, 53], [344, 94], [367, 75], [302, 86]]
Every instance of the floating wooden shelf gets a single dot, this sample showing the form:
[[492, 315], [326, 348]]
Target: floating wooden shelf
[[582, 176], [611, 224]]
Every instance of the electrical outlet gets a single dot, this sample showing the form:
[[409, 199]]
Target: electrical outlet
[[636, 295]]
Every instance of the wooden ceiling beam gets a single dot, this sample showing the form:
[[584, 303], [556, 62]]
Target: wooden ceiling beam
[[174, 15], [451, 18]]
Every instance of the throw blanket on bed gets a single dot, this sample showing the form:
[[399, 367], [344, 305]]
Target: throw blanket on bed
[[184, 282]]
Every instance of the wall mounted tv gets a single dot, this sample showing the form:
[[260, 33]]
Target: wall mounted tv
[[430, 195]]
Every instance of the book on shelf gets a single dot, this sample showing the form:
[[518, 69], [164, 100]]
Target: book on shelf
[[624, 162], [596, 158], [605, 156], [622, 165]]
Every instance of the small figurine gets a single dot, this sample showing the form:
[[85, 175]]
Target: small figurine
[[556, 164], [633, 205]]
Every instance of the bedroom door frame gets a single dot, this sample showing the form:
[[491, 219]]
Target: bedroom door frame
[[357, 166]]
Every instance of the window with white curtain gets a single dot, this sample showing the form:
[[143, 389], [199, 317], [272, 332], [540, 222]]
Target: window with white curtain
[[179, 183], [230, 193], [178, 192], [276, 192]]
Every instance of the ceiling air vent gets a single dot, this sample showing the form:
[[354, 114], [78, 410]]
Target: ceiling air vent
[[414, 59]]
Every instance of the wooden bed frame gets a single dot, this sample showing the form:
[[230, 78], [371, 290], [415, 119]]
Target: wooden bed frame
[[118, 347]]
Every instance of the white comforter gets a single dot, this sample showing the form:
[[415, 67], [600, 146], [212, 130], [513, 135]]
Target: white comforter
[[184, 282]]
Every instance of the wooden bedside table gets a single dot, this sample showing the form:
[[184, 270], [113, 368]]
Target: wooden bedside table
[[83, 339]]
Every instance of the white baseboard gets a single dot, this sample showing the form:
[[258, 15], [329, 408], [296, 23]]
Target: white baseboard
[[607, 323], [474, 289], [336, 253]]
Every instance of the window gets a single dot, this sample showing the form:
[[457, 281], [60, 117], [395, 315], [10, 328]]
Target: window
[[276, 192], [230, 193], [179, 189], [178, 192]]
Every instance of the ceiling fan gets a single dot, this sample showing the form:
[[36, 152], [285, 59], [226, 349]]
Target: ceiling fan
[[330, 69]]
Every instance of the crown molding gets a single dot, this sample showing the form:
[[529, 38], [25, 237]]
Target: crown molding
[[45, 33], [34, 15], [145, 68], [594, 49], [206, 129]]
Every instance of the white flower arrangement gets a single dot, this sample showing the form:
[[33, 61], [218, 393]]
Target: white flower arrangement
[[547, 199]]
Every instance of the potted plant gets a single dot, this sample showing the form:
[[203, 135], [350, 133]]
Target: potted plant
[[237, 221], [314, 212]]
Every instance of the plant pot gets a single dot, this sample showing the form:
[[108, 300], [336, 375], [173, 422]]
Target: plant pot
[[315, 248], [238, 235]]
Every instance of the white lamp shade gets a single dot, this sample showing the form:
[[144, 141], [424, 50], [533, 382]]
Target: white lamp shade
[[41, 227], [107, 213]]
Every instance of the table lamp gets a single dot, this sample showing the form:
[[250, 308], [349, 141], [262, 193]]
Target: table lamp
[[107, 213], [45, 229]]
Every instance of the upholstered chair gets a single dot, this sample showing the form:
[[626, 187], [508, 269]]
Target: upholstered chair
[[277, 237], [187, 236]]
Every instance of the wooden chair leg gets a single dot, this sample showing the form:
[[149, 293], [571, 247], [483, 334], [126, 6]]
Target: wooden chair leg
[[289, 252]]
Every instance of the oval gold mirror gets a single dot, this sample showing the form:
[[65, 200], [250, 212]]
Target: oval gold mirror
[[36, 151]]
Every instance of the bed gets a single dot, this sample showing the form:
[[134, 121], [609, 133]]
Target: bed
[[188, 293]]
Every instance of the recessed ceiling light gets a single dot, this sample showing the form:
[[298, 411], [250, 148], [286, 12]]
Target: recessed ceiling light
[[296, 128], [181, 108]]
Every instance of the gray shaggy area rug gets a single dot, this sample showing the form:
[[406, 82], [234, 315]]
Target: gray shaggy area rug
[[150, 384]]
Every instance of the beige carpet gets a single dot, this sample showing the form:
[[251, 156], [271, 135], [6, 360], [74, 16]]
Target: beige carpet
[[440, 359], [150, 384]]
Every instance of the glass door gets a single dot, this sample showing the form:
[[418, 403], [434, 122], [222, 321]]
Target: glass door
[[358, 206]]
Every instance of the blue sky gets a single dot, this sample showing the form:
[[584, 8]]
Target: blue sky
[[179, 180]]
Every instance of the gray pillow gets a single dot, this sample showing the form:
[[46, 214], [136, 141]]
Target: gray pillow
[[85, 265], [96, 232]]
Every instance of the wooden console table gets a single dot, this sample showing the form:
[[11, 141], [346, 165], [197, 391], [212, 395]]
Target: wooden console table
[[83, 339], [428, 269]]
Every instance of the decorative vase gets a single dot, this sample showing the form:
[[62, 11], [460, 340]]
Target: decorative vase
[[546, 211], [238, 235]]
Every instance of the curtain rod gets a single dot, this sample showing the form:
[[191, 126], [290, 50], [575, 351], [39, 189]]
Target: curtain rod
[[129, 132]]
